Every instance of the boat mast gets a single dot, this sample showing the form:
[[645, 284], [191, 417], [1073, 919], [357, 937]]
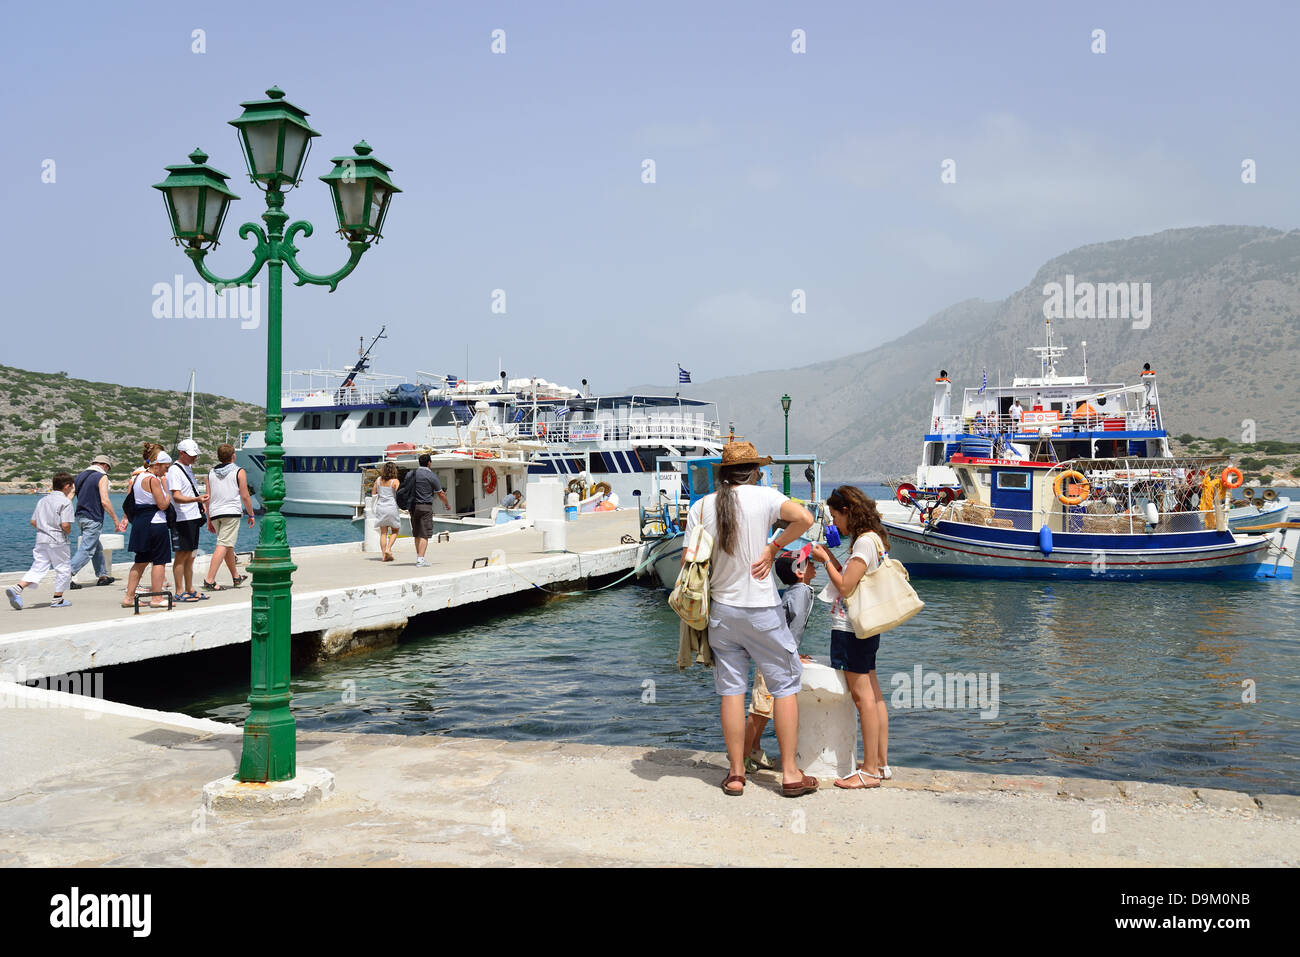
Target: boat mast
[[363, 359], [190, 435]]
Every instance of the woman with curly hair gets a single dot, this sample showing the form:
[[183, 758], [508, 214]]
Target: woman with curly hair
[[858, 521], [387, 516]]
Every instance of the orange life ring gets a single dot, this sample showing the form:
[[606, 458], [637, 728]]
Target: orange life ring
[[1080, 488], [1238, 478], [489, 480]]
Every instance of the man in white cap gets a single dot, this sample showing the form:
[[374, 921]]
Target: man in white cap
[[92, 506], [190, 517]]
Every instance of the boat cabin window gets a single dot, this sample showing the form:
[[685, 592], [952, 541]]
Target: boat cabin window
[[1014, 480], [967, 484]]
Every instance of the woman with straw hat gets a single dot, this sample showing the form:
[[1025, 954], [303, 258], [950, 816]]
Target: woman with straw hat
[[746, 621]]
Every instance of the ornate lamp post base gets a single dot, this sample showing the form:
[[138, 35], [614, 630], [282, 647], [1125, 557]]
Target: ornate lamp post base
[[232, 796]]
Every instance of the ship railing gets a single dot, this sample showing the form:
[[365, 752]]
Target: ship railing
[[1131, 421], [1093, 517], [561, 433]]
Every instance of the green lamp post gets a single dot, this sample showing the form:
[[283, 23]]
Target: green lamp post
[[275, 139], [785, 406]]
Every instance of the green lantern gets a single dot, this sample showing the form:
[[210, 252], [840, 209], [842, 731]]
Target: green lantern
[[197, 200], [361, 189], [276, 139]]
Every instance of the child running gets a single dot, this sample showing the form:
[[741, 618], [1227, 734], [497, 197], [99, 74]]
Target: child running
[[52, 520], [797, 604], [858, 521]]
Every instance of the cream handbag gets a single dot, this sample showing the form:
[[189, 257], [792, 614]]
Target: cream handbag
[[883, 599]]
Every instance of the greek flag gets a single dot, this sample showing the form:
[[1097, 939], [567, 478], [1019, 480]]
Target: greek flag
[[451, 381], [985, 385], [562, 412], [682, 375]]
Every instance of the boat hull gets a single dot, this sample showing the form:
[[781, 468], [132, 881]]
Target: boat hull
[[948, 550], [663, 559]]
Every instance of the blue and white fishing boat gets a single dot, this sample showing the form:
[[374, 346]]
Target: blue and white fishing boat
[[1108, 519], [1083, 419]]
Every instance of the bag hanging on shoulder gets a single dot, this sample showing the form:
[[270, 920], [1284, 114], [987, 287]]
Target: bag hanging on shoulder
[[883, 598], [690, 595], [406, 491], [128, 503]]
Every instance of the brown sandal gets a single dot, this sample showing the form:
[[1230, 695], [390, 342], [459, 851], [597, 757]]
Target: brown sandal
[[731, 791], [806, 786]]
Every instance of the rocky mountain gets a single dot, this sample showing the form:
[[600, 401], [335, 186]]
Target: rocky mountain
[[52, 422], [1223, 334]]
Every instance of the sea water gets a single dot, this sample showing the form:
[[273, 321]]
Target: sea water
[[1192, 684]]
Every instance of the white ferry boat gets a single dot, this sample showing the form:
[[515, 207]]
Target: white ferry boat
[[337, 421]]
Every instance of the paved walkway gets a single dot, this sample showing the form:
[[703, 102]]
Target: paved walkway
[[320, 567], [345, 599], [123, 790]]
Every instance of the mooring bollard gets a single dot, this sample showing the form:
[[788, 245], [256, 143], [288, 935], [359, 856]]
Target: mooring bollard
[[828, 722]]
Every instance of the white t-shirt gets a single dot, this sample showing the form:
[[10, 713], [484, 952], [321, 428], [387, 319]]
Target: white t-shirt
[[729, 579], [51, 512], [180, 478], [865, 549]]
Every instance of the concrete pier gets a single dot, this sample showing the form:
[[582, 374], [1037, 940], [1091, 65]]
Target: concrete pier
[[125, 789], [344, 599]]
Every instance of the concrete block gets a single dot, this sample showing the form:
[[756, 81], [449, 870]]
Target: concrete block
[[1025, 783], [1279, 805], [828, 723], [306, 790], [1147, 793], [1090, 789], [910, 779], [1227, 800]]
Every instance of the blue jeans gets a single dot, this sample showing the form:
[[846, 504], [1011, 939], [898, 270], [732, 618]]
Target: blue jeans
[[88, 548]]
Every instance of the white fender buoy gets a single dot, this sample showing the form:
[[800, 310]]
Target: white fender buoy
[[1153, 514]]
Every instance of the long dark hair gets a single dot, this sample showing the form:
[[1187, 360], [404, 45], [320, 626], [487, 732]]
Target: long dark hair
[[729, 505], [862, 512]]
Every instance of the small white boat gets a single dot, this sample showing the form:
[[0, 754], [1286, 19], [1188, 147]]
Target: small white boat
[[1256, 512]]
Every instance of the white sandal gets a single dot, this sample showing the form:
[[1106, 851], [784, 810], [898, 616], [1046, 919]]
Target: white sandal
[[886, 772], [862, 776]]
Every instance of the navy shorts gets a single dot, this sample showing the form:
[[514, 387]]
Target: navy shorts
[[153, 545], [851, 653], [185, 535]]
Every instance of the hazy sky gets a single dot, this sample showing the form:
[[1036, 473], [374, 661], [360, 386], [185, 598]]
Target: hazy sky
[[522, 171]]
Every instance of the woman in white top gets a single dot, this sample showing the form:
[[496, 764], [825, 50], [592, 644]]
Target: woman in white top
[[858, 521], [746, 620], [150, 538]]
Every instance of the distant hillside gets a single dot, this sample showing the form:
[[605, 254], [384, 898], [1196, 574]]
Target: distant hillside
[[52, 422], [1224, 338]]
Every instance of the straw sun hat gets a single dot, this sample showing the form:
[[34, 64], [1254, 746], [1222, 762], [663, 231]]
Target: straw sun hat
[[743, 453]]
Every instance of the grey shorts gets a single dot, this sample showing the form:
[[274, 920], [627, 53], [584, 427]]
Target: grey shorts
[[740, 635]]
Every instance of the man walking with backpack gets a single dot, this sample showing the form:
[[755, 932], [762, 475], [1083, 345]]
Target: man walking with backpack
[[419, 486]]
